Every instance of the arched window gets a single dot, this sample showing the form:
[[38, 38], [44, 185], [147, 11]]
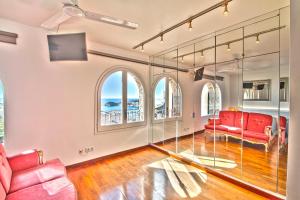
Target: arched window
[[167, 99], [1, 112], [121, 101], [211, 97]]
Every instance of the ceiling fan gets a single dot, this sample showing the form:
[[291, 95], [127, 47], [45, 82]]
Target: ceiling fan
[[71, 9]]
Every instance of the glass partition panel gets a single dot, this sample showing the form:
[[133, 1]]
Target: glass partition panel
[[222, 100], [166, 100], [284, 87], [186, 83], [261, 102], [204, 98], [228, 131]]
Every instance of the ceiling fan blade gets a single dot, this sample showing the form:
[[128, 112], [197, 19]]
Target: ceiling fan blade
[[55, 20], [110, 20]]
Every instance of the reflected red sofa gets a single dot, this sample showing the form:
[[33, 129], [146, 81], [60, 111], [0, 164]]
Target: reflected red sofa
[[25, 177], [256, 127], [282, 131]]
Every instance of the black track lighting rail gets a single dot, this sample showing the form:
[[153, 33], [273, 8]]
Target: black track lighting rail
[[186, 21]]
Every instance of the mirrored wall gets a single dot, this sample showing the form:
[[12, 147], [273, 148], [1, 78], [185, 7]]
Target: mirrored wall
[[222, 100]]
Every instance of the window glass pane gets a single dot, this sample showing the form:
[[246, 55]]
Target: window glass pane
[[174, 99], [218, 100], [208, 99], [111, 100], [1, 112], [135, 99], [160, 100], [211, 99]]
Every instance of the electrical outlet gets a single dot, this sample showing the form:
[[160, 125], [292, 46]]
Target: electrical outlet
[[80, 151]]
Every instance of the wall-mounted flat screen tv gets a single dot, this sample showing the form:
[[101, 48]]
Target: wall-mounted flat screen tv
[[199, 74], [63, 47]]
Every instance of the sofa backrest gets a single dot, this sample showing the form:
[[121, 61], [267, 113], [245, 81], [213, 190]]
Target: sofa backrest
[[282, 122], [257, 122], [227, 117], [238, 119], [5, 170]]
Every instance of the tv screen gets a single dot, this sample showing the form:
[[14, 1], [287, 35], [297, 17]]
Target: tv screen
[[67, 47], [199, 74], [247, 85]]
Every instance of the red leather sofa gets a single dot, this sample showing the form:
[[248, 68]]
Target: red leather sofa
[[256, 127], [25, 177]]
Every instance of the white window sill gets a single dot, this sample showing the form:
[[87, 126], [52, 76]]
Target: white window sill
[[112, 128]]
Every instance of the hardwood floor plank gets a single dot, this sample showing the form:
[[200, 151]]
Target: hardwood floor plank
[[143, 174], [255, 165]]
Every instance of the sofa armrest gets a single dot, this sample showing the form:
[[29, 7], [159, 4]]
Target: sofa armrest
[[212, 120], [268, 131], [25, 160], [282, 135]]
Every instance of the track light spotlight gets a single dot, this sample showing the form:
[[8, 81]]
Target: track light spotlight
[[182, 59], [202, 54], [225, 13], [142, 48], [190, 25], [257, 39], [228, 47], [162, 38]]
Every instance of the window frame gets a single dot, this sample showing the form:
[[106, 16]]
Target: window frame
[[167, 118], [107, 128], [214, 85]]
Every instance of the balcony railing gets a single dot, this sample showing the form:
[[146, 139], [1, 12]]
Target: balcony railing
[[115, 117]]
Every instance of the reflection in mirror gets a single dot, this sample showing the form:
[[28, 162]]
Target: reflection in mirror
[[234, 119], [284, 89], [258, 90]]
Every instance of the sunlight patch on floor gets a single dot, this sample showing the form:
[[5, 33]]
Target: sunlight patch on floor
[[209, 161], [182, 177]]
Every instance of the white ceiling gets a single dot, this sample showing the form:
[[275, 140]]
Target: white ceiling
[[152, 17]]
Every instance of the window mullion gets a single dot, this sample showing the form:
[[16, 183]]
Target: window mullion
[[167, 97], [124, 96]]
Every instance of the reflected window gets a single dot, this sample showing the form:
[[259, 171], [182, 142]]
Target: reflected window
[[167, 99], [1, 112], [121, 97], [258, 90], [211, 99]]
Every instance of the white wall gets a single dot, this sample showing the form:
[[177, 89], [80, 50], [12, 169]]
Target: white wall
[[50, 106], [293, 176]]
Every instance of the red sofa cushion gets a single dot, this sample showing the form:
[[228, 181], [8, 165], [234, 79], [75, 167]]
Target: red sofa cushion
[[5, 173], [255, 135], [257, 122], [214, 121], [227, 117], [218, 127], [238, 119], [57, 189], [235, 130], [36, 175], [24, 160]]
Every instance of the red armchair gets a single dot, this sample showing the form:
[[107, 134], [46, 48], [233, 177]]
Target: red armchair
[[25, 177], [252, 127]]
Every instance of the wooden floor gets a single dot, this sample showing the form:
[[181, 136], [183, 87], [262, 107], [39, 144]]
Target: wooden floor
[[254, 165], [149, 174]]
